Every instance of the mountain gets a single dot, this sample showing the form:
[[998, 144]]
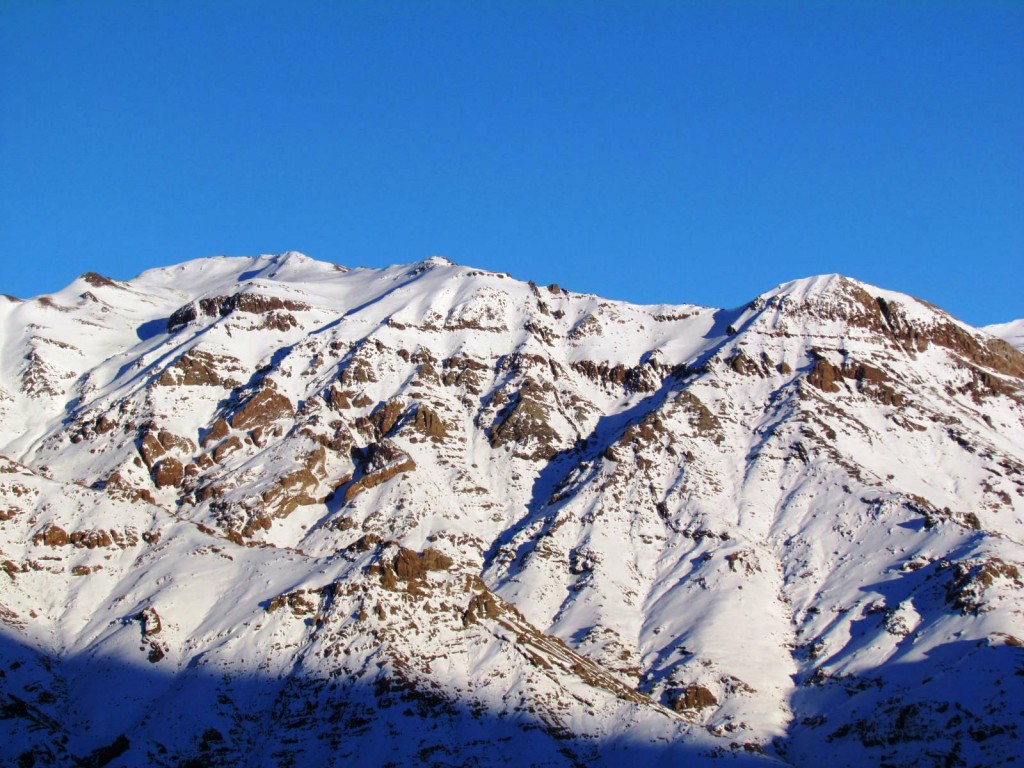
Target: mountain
[[273, 511], [1012, 332]]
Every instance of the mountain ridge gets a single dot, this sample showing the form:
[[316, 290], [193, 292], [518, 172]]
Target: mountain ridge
[[432, 496]]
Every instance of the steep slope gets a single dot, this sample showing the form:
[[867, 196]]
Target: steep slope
[[433, 514]]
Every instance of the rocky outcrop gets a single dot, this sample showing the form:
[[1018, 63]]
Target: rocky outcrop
[[264, 407], [692, 698], [51, 536], [290, 491], [637, 378], [383, 461], [870, 381], [526, 425], [429, 423], [220, 306], [198, 368], [406, 570], [168, 472]]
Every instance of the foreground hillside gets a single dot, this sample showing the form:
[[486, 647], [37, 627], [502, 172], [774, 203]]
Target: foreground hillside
[[273, 511]]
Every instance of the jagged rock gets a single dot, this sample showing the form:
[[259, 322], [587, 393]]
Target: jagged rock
[[692, 698], [198, 368], [384, 461], [290, 491], [428, 422], [526, 423], [168, 472], [225, 449], [265, 406], [638, 378], [150, 620], [220, 306], [743, 364], [51, 536], [385, 417]]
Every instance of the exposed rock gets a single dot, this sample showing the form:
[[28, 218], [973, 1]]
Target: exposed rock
[[225, 449], [91, 539], [693, 698], [154, 443], [463, 371], [265, 406], [51, 536], [217, 432], [526, 423], [106, 754], [220, 306], [292, 490], [383, 461], [150, 620], [150, 449], [743, 364], [198, 368], [638, 378], [385, 416], [297, 602], [407, 570], [973, 578], [824, 376], [97, 280], [168, 472], [428, 422]]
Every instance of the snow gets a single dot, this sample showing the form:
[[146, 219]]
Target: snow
[[1012, 332]]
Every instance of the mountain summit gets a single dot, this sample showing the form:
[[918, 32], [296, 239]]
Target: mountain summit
[[274, 511]]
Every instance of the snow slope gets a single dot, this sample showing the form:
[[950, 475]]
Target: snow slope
[[1012, 332], [273, 511]]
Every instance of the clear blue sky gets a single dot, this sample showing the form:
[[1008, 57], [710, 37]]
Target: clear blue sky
[[649, 151]]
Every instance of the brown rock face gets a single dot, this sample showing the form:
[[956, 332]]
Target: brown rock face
[[226, 448], [870, 381], [51, 536], [386, 416], [408, 569], [692, 698], [150, 449], [168, 472], [265, 406], [150, 620], [155, 443], [824, 376], [219, 306], [384, 461], [527, 421], [428, 422], [291, 491], [218, 432], [197, 368]]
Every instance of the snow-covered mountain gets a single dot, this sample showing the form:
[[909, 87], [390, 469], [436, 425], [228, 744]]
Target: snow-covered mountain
[[1012, 332], [273, 511]]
